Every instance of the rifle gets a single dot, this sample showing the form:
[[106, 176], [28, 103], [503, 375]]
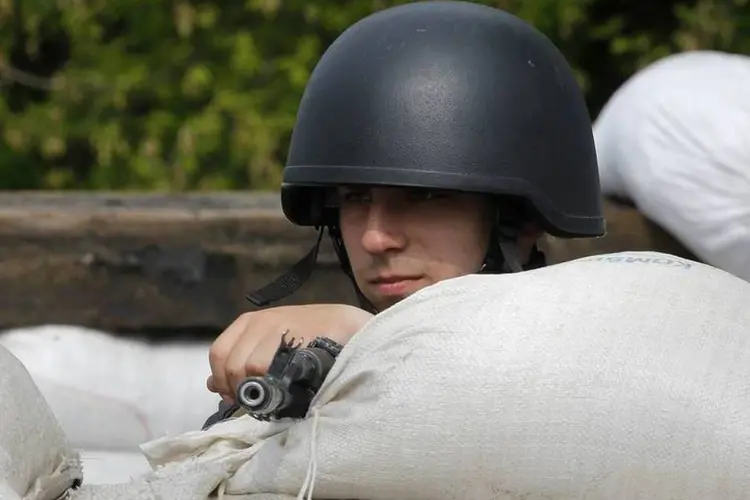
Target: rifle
[[294, 377]]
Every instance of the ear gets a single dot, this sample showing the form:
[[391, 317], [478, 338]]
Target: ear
[[530, 232]]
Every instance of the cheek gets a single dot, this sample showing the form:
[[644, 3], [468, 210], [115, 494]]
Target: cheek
[[351, 234], [454, 253], [347, 227]]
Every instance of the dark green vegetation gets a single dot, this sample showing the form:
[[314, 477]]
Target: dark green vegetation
[[183, 95]]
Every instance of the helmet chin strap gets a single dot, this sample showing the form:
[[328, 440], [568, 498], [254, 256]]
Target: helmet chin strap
[[293, 279], [289, 281], [338, 246], [511, 259]]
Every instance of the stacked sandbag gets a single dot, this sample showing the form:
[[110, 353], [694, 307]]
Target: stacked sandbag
[[111, 394], [675, 139], [613, 377], [36, 460]]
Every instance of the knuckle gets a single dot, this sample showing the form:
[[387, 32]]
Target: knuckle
[[217, 354], [255, 368], [236, 371]]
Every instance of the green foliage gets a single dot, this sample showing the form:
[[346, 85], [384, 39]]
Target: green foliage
[[186, 95]]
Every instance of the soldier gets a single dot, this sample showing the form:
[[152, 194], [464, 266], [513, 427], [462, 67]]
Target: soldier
[[433, 140]]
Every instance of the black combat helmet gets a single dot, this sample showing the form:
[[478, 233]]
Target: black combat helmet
[[444, 95]]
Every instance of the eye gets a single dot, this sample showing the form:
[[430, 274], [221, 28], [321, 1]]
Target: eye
[[426, 195], [350, 195]]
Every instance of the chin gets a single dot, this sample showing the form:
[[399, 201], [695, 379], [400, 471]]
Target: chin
[[383, 299], [382, 303]]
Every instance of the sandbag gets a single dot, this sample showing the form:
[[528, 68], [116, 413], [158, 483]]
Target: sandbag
[[674, 140], [613, 377], [113, 467], [111, 393], [36, 460]]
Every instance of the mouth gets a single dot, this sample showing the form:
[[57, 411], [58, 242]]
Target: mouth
[[392, 278], [394, 285]]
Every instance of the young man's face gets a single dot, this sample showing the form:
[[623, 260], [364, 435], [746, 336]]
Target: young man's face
[[400, 240]]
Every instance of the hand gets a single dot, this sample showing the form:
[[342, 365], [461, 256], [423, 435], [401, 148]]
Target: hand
[[248, 345]]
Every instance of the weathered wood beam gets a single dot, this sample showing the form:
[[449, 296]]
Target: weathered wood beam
[[183, 262], [130, 261]]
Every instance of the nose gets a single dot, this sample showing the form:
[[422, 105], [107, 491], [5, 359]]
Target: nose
[[382, 232]]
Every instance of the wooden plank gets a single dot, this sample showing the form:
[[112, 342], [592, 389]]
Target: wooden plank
[[185, 262], [135, 262]]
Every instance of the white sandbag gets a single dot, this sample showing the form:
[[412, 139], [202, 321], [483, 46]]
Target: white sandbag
[[675, 139], [112, 467], [36, 461], [112, 393], [611, 378]]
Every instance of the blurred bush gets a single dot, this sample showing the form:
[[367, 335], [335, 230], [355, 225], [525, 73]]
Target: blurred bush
[[187, 95]]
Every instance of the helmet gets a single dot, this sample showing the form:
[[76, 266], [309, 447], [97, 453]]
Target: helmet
[[446, 95], [443, 95]]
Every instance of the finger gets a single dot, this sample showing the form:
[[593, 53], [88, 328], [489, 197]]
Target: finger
[[222, 348], [236, 365], [212, 388], [210, 384], [258, 362]]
